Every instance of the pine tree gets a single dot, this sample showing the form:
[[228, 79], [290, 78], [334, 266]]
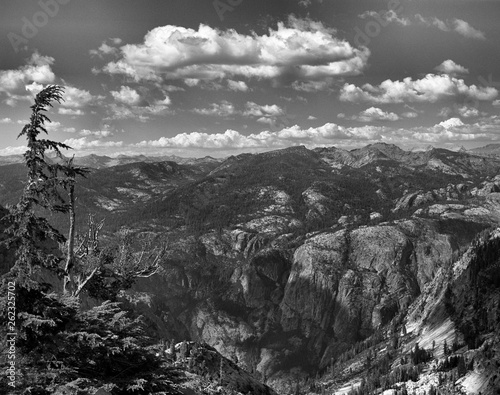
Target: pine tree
[[61, 348], [33, 237]]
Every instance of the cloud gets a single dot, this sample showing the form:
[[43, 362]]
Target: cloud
[[222, 109], [430, 89], [314, 86], [255, 110], [466, 30], [387, 17], [6, 121], [467, 111], [107, 49], [83, 143], [464, 111], [96, 133], [451, 68], [15, 83], [300, 49], [237, 86], [231, 139], [311, 118], [451, 123], [409, 114], [458, 26], [53, 126], [140, 113], [78, 98], [496, 103], [127, 95], [69, 111], [375, 114], [13, 150]]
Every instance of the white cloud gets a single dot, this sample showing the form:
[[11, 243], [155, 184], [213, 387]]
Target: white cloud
[[6, 121], [451, 68], [255, 110], [15, 83], [451, 123], [298, 49], [467, 111], [57, 126], [222, 109], [83, 143], [237, 85], [458, 26], [409, 114], [96, 133], [13, 150], [78, 98], [311, 118], [375, 114], [387, 17], [466, 30], [325, 84], [173, 88], [69, 111], [127, 95], [231, 139], [496, 103], [431, 88]]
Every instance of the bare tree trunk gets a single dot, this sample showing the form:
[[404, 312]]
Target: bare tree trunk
[[71, 241]]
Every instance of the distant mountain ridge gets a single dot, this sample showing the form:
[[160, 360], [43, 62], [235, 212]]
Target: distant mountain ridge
[[355, 157], [94, 161]]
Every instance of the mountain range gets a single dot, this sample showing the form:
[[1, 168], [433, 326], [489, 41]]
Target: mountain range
[[316, 270]]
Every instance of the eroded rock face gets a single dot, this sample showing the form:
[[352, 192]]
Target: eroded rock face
[[303, 305]]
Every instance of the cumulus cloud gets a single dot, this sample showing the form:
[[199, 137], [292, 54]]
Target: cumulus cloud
[[107, 49], [77, 98], [237, 86], [69, 111], [97, 133], [298, 49], [431, 88], [13, 150], [375, 114], [231, 139], [84, 143], [467, 111], [127, 95], [451, 68], [6, 121], [257, 110], [15, 83], [54, 126], [222, 109]]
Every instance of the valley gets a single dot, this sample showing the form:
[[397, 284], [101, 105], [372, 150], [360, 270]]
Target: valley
[[322, 271]]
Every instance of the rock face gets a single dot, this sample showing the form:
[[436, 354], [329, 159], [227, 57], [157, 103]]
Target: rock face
[[334, 289]]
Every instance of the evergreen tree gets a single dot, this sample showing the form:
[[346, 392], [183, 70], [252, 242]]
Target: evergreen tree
[[60, 348]]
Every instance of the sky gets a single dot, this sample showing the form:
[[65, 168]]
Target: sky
[[222, 77]]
